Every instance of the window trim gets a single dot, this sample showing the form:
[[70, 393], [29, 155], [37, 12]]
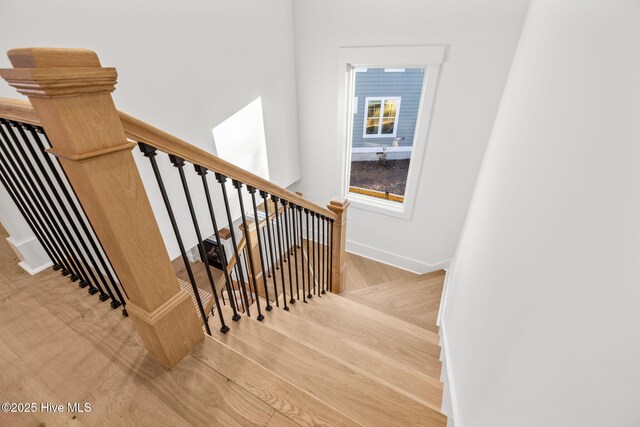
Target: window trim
[[383, 100], [351, 59]]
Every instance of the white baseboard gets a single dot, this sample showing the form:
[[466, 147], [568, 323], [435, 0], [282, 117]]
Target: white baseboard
[[33, 258], [409, 264], [449, 400], [33, 271]]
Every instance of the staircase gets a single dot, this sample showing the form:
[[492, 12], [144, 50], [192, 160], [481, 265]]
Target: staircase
[[336, 361], [278, 320]]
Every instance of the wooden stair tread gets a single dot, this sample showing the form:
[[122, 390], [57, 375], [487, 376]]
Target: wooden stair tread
[[278, 393], [416, 302], [436, 281], [355, 395], [205, 296], [399, 340], [398, 376], [343, 303]]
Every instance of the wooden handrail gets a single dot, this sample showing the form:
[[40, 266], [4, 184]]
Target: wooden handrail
[[19, 110], [139, 131]]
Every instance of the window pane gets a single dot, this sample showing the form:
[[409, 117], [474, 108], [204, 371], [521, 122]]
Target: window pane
[[372, 126], [383, 130], [390, 108], [387, 125], [373, 109]]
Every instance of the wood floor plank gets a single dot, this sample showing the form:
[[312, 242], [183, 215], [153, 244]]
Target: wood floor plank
[[279, 420], [364, 272], [353, 394]]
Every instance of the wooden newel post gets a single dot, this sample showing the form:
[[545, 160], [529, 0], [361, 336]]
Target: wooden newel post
[[71, 94], [339, 262]]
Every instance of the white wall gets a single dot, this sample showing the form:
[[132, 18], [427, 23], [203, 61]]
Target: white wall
[[183, 66], [542, 315], [481, 39]]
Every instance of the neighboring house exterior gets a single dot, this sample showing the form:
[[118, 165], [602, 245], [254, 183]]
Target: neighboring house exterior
[[385, 108]]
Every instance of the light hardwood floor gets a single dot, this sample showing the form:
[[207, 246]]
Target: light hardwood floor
[[363, 273], [333, 361], [59, 345]]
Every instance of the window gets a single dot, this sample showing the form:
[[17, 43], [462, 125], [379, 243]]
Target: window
[[383, 133], [381, 118], [386, 97]]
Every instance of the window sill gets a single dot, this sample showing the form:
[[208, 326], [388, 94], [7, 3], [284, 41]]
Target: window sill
[[381, 206]]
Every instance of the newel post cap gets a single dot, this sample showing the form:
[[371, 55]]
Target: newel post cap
[[53, 72], [338, 204], [46, 57]]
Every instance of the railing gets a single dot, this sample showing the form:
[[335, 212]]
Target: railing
[[285, 248], [39, 188]]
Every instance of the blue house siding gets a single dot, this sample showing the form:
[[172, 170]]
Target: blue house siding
[[375, 82]]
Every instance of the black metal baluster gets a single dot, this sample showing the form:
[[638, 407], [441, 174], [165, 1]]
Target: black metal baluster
[[178, 162], [308, 263], [326, 252], [325, 258], [80, 219], [233, 295], [290, 234], [266, 247], [270, 240], [245, 271], [22, 166], [33, 214], [248, 246], [284, 240], [256, 218], [202, 171], [280, 252], [321, 253], [300, 225], [150, 153], [330, 255], [21, 205], [319, 270], [295, 250], [304, 291], [222, 180], [102, 255], [18, 172], [62, 209], [16, 178], [242, 305], [288, 229], [313, 249], [294, 239]]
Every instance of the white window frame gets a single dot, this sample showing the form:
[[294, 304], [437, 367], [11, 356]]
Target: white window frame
[[352, 59], [383, 99]]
